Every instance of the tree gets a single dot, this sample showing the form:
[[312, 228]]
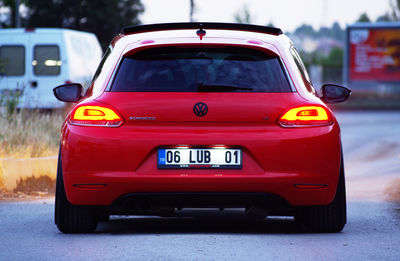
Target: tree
[[325, 32], [395, 12], [305, 29], [333, 65], [337, 32], [271, 24], [12, 4], [243, 16], [384, 18], [334, 59], [102, 17], [363, 18]]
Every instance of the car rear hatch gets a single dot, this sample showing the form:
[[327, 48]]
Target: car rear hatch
[[200, 97], [200, 85]]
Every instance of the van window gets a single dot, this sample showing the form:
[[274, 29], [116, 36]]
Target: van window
[[46, 60], [12, 60]]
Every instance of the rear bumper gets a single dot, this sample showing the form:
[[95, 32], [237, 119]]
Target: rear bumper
[[120, 184], [275, 160]]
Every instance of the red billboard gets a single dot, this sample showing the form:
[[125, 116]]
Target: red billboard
[[374, 54]]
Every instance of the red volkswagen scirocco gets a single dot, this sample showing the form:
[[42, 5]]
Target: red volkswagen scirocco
[[200, 115]]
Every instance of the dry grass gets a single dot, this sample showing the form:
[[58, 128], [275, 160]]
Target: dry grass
[[29, 134], [392, 192], [32, 185]]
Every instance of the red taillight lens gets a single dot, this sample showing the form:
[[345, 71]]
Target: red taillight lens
[[306, 116], [90, 115]]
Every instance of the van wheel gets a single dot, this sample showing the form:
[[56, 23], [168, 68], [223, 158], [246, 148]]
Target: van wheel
[[329, 218], [70, 218]]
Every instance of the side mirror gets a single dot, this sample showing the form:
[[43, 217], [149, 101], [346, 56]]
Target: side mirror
[[332, 93], [71, 92]]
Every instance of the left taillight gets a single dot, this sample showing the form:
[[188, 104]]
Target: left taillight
[[95, 115], [306, 116]]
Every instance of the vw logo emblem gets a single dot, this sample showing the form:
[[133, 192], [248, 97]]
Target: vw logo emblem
[[200, 109]]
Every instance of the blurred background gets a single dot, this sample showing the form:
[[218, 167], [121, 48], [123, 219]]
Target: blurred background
[[355, 43], [352, 43]]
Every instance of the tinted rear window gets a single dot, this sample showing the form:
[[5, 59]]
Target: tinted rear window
[[200, 70]]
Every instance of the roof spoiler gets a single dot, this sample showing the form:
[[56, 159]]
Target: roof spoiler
[[200, 25]]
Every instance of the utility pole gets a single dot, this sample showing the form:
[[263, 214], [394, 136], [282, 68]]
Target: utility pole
[[324, 20], [17, 17], [192, 7]]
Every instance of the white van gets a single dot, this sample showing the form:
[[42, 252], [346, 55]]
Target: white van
[[37, 60]]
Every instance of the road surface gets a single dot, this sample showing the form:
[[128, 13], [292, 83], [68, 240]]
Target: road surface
[[371, 143]]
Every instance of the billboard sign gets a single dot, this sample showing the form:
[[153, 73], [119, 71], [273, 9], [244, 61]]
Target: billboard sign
[[374, 54]]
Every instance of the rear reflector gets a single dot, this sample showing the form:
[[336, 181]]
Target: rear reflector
[[90, 186], [306, 116], [310, 186], [89, 115]]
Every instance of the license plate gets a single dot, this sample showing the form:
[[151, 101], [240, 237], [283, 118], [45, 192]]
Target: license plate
[[177, 158]]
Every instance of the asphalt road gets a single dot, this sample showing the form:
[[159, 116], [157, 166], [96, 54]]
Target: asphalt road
[[371, 143]]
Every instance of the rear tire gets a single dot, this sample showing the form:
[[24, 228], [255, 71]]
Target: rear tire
[[329, 218], [104, 217], [70, 218]]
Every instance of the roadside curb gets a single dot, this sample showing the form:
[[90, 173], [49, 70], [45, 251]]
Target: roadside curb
[[13, 170]]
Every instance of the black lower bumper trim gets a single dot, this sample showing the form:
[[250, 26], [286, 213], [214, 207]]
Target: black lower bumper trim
[[159, 201]]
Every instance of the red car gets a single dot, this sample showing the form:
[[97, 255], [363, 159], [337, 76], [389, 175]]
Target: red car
[[200, 115]]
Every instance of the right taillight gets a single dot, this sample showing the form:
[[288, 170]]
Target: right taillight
[[306, 116]]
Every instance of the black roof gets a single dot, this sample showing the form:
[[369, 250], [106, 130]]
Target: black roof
[[200, 25]]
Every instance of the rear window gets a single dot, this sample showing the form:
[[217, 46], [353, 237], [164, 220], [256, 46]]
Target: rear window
[[46, 60], [12, 60], [200, 70]]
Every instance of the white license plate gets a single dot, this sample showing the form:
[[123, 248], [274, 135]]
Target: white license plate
[[199, 158]]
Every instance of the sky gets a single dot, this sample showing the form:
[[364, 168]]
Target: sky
[[286, 14]]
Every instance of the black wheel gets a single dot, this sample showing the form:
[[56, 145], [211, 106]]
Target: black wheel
[[70, 218], [329, 218]]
